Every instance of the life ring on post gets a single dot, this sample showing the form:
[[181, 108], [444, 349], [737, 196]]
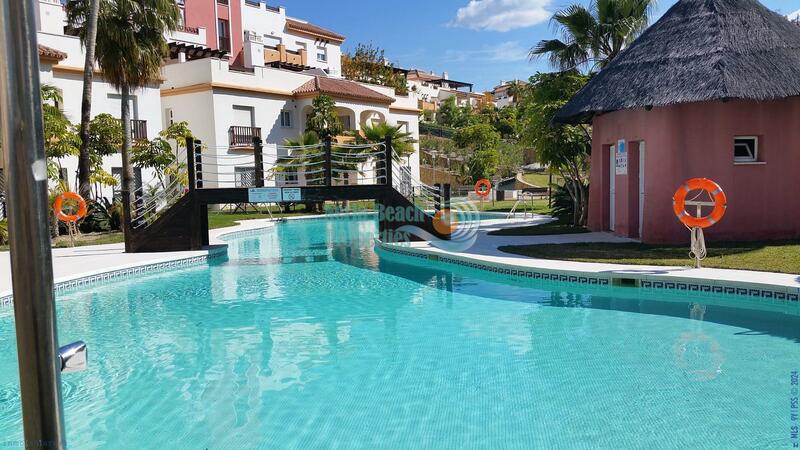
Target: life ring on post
[[483, 183], [704, 184], [59, 204]]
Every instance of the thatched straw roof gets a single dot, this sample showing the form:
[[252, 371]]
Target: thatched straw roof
[[700, 50]]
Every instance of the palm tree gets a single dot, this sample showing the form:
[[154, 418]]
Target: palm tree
[[78, 13], [130, 48], [594, 36], [402, 142]]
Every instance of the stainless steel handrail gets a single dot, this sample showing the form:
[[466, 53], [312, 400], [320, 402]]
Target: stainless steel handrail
[[31, 263]]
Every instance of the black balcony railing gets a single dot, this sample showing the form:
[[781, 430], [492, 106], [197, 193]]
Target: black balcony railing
[[242, 136], [190, 30], [139, 130], [252, 2], [224, 44]]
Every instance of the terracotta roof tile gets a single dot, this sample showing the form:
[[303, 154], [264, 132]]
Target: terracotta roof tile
[[340, 88], [315, 30], [48, 52]]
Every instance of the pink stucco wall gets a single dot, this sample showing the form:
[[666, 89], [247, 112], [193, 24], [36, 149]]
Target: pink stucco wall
[[696, 140], [204, 13]]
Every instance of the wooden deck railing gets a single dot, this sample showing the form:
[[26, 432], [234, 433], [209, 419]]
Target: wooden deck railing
[[242, 136]]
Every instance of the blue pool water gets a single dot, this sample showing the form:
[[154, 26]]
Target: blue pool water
[[306, 338]]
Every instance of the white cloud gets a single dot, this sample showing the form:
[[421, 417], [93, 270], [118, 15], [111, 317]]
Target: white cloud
[[503, 52], [502, 15]]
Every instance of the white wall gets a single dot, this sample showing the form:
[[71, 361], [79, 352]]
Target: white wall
[[105, 99], [270, 23]]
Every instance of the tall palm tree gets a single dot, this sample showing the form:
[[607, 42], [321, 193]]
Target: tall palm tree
[[80, 12], [130, 48], [592, 37]]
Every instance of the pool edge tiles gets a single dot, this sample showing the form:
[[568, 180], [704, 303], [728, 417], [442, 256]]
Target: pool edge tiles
[[646, 282], [84, 280]]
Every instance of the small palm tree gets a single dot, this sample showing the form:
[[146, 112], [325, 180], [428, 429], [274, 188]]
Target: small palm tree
[[402, 142], [594, 36], [308, 157], [130, 48]]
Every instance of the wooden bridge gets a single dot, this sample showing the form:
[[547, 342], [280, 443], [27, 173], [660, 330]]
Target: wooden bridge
[[176, 218]]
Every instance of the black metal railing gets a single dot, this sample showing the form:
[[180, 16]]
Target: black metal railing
[[242, 136], [139, 130], [190, 30], [255, 3]]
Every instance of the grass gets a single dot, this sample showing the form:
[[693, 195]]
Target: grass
[[560, 226], [772, 256], [539, 206], [540, 179]]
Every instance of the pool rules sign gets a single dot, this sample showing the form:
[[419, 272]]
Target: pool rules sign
[[621, 160]]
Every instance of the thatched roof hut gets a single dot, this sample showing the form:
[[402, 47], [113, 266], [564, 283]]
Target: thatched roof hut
[[700, 50]]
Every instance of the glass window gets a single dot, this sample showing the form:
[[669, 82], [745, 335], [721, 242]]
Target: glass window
[[322, 54], [745, 149], [286, 119]]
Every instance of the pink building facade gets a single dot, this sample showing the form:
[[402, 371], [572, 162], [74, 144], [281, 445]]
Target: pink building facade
[[668, 145], [222, 20]]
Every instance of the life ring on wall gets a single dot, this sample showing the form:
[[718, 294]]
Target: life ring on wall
[[679, 203], [483, 183], [59, 204]]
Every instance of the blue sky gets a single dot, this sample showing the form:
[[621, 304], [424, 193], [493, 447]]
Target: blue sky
[[478, 41]]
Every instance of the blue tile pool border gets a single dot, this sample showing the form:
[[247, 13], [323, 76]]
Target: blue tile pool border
[[590, 280], [93, 279]]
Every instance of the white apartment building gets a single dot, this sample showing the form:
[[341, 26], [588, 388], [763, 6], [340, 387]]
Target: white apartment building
[[61, 61], [226, 106], [502, 93]]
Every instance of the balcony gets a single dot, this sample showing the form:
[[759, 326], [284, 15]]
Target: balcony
[[242, 137], [189, 30], [224, 44], [256, 3], [139, 130]]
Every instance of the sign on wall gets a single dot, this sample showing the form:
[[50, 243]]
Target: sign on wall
[[621, 160], [292, 194], [264, 195]]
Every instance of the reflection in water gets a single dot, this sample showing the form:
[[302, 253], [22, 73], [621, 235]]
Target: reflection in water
[[306, 338]]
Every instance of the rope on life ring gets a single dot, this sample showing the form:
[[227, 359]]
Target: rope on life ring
[[58, 206]]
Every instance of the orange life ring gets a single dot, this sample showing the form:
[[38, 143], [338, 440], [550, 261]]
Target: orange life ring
[[679, 203], [483, 182], [59, 203]]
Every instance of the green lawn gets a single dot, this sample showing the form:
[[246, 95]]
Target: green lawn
[[774, 256], [556, 227], [541, 179], [539, 206]]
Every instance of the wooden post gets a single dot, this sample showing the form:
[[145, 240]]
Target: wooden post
[[446, 196], [387, 158], [258, 153], [328, 165], [437, 203]]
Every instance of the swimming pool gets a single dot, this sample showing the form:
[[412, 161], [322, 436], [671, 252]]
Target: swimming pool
[[305, 337]]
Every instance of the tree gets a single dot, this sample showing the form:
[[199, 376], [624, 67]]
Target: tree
[[450, 114], [323, 120], [79, 12], [402, 142], [158, 154], [483, 140], [60, 139], [368, 64], [510, 158], [565, 148], [130, 48], [591, 38]]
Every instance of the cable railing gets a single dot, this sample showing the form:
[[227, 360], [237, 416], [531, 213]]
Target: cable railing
[[319, 164]]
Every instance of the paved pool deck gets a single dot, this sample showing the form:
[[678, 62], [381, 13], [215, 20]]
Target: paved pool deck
[[486, 250], [81, 262]]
